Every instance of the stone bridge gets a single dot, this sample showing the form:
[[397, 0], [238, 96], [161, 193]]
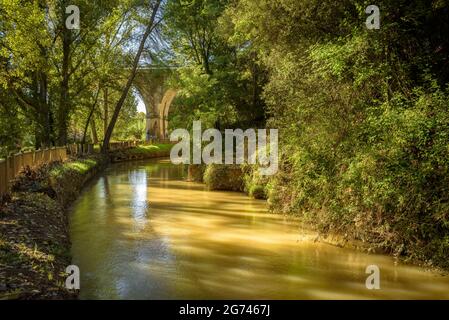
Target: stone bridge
[[152, 84]]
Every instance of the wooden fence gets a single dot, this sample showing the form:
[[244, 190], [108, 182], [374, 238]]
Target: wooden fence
[[11, 166]]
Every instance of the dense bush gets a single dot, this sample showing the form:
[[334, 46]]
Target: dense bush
[[223, 177], [254, 184], [363, 117], [195, 172]]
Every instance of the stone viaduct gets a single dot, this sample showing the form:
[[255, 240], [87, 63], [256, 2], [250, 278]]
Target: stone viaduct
[[153, 86]]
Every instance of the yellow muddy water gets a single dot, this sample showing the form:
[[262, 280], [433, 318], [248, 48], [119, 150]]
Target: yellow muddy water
[[139, 231]]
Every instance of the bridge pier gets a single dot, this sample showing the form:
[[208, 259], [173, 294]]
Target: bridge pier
[[151, 85]]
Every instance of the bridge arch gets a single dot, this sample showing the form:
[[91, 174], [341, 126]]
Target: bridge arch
[[151, 83], [167, 100]]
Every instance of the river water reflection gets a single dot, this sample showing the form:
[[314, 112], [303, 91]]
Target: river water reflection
[[139, 231]]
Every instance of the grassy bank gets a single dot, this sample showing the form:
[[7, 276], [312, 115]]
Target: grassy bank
[[243, 178], [34, 237], [142, 152]]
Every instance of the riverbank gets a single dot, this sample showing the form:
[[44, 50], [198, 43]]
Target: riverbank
[[34, 231], [142, 152], [245, 178], [34, 237]]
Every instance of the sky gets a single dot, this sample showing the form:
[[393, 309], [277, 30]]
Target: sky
[[140, 104]]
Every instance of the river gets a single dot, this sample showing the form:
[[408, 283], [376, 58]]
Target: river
[[140, 231]]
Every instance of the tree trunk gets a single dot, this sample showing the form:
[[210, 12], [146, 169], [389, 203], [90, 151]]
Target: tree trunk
[[132, 75], [45, 119], [91, 113], [93, 129], [63, 111], [106, 111]]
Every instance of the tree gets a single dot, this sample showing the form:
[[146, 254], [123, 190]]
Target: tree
[[53, 72], [220, 81], [362, 115], [150, 26]]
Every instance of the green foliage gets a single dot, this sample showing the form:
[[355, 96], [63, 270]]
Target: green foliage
[[150, 149], [362, 116], [195, 172], [50, 75], [14, 134], [81, 166], [219, 82], [61, 181], [254, 184], [223, 177]]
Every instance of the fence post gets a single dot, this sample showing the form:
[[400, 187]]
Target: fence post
[[17, 159], [11, 170], [3, 177]]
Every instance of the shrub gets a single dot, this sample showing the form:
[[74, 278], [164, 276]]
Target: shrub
[[224, 177], [195, 172], [255, 185]]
